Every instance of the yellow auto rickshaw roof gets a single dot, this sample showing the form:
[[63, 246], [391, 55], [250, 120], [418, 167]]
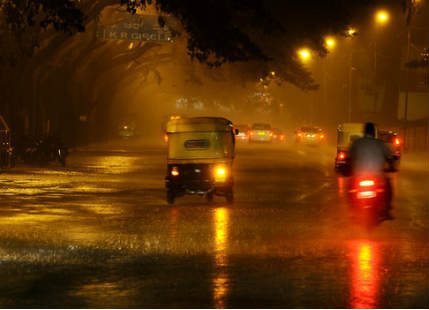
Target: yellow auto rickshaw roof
[[199, 124], [355, 127]]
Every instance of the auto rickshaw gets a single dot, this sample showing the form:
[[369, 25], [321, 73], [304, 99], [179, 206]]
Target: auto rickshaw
[[200, 157], [347, 133]]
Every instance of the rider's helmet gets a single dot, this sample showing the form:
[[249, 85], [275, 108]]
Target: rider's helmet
[[369, 130]]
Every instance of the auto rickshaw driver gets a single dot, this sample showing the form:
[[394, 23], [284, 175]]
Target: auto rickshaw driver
[[200, 156]]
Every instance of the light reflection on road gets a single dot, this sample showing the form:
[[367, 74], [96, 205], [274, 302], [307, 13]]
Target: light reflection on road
[[174, 216], [115, 164], [364, 275], [341, 185], [220, 281]]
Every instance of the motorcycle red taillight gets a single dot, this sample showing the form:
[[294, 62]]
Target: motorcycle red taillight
[[366, 183], [367, 188]]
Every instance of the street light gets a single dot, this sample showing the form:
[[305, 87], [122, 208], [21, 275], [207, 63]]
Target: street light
[[304, 54], [330, 42], [351, 32], [382, 17]]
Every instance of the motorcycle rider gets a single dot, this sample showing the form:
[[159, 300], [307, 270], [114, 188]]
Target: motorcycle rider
[[368, 157]]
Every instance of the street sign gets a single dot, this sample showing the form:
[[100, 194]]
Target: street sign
[[136, 28]]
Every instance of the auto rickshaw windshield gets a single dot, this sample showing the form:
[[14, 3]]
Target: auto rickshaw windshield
[[348, 133], [200, 145]]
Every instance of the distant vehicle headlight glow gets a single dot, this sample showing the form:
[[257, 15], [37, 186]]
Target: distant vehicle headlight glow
[[175, 172]]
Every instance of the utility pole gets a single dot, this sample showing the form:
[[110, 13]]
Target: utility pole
[[349, 110], [375, 74], [350, 81], [407, 73], [407, 83]]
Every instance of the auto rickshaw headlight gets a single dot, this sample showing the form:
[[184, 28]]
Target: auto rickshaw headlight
[[175, 172], [220, 173]]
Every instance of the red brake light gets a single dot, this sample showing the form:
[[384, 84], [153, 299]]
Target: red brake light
[[366, 183], [397, 141], [271, 133], [175, 172], [341, 155], [322, 136], [299, 134]]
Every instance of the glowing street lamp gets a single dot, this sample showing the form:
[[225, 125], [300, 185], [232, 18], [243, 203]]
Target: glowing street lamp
[[304, 54], [351, 32], [382, 17], [330, 42]]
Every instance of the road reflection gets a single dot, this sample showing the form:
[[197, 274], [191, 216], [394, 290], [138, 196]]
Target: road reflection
[[220, 280], [364, 276], [174, 216], [341, 185], [115, 164]]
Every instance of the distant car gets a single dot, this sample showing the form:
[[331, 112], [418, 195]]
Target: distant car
[[310, 135], [243, 133], [395, 145], [126, 130], [278, 136], [261, 132]]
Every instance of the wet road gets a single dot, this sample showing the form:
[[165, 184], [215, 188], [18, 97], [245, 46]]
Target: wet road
[[99, 234]]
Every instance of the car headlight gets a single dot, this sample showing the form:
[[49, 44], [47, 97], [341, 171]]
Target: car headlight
[[220, 173]]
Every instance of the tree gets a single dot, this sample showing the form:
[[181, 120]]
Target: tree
[[219, 31]]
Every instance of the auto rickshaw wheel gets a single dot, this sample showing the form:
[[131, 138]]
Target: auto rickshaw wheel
[[170, 197], [209, 196], [229, 196], [393, 165]]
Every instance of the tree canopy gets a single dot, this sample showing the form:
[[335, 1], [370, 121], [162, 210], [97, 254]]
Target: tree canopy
[[266, 33]]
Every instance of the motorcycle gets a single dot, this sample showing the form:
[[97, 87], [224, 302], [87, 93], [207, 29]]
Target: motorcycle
[[52, 149], [369, 197], [41, 151], [61, 154]]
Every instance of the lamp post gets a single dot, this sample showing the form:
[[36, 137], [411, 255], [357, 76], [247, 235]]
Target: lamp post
[[330, 45], [381, 18]]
